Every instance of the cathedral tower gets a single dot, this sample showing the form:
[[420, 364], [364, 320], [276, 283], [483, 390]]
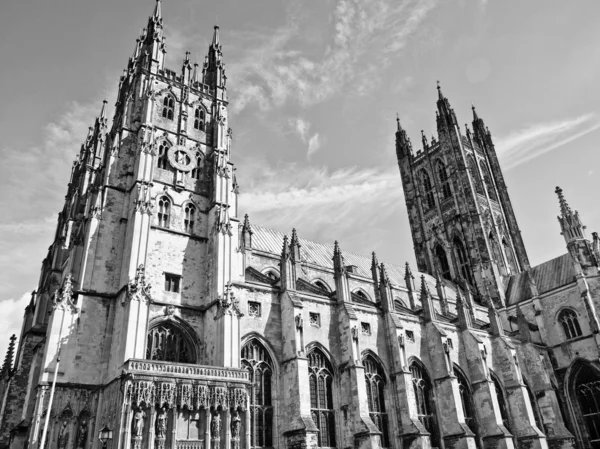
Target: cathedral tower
[[460, 213]]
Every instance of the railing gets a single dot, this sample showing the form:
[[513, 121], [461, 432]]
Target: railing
[[185, 370], [189, 444]]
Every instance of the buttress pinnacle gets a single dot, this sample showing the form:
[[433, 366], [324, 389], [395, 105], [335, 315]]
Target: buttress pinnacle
[[565, 210]]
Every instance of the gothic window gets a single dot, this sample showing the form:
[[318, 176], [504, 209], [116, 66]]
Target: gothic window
[[466, 399], [197, 170], [167, 342], [472, 166], [164, 208], [320, 375], [423, 395], [534, 406], [199, 119], [463, 260], [168, 107], [501, 401], [361, 295], [496, 253], [257, 361], [570, 323], [587, 391], [188, 221], [443, 178], [375, 380], [163, 158], [322, 286], [443, 262], [427, 187], [271, 274], [487, 178]]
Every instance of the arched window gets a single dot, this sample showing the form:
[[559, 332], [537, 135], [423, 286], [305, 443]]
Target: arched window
[[399, 305], [188, 220], [272, 274], [501, 401], [375, 379], [487, 178], [463, 260], [443, 178], [257, 361], [466, 399], [534, 406], [587, 391], [320, 376], [168, 107], [427, 186], [322, 286], [570, 323], [199, 119], [168, 343], [197, 170], [164, 208], [423, 395], [472, 167], [362, 295], [163, 157], [443, 262]]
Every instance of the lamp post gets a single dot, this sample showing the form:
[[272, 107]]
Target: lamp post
[[105, 436]]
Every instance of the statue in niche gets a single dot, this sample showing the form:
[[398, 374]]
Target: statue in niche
[[63, 435], [235, 425], [215, 429], [83, 431], [138, 419], [161, 423]]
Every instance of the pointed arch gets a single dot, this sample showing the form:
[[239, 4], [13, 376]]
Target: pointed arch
[[427, 190], [320, 283], [502, 402], [582, 387], [163, 203], [423, 390], [189, 217], [466, 397], [199, 118], [196, 172], [272, 273], [361, 294], [443, 179], [320, 375], [534, 405], [168, 106], [375, 380], [172, 340], [487, 179], [257, 360], [569, 321], [442, 260], [462, 256], [474, 172], [163, 154]]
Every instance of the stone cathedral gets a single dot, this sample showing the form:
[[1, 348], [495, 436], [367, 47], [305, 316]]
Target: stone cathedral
[[166, 316]]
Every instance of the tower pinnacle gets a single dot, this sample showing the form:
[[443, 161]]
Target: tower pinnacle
[[571, 226]]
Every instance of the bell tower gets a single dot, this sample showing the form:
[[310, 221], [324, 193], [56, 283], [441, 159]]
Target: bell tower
[[460, 213]]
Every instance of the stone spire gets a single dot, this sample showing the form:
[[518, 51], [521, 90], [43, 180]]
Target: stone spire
[[463, 311], [375, 275], [403, 144], [427, 301], [340, 275], [8, 359], [246, 233], [214, 71], [495, 321], [446, 117], [570, 224], [295, 247]]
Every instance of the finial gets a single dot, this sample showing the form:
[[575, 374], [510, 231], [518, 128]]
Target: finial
[[565, 210], [398, 121], [424, 139], [475, 117], [336, 248], [374, 262], [439, 88], [157, 10], [215, 40]]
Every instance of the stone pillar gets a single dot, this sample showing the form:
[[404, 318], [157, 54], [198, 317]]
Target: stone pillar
[[207, 416]]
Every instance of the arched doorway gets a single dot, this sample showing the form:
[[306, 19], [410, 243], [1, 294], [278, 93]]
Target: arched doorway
[[584, 394]]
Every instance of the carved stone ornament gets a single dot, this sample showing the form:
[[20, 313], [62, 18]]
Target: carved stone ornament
[[237, 398], [228, 303], [165, 394], [181, 158], [355, 333], [299, 322], [137, 289], [63, 298]]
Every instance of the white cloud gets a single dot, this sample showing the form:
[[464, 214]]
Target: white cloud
[[11, 320], [365, 37], [302, 128], [526, 144], [313, 145]]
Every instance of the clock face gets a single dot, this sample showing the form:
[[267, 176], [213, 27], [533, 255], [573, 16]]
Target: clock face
[[181, 158]]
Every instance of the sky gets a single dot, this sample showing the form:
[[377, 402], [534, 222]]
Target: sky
[[314, 89]]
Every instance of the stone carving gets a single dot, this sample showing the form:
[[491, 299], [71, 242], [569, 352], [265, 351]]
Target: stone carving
[[63, 298], [228, 303], [83, 431], [138, 422], [137, 289], [165, 394], [238, 398], [218, 397], [202, 396], [355, 333], [63, 435], [299, 322], [235, 430], [185, 396], [142, 392], [215, 430], [161, 423]]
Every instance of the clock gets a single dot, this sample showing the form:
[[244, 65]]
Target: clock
[[181, 158]]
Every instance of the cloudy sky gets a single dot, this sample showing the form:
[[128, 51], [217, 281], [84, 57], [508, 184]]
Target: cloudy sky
[[315, 86]]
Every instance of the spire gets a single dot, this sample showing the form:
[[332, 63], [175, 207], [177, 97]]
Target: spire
[[571, 226], [475, 117], [246, 233], [285, 251], [340, 275], [157, 15], [463, 311], [427, 301], [375, 272], [8, 359], [214, 72], [385, 279], [494, 317], [338, 259], [441, 291], [195, 75], [446, 117], [215, 40], [424, 140], [103, 109], [295, 246], [403, 144], [439, 89], [408, 277]]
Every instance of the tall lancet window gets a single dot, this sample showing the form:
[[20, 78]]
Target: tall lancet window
[[501, 401], [168, 107], [466, 399], [427, 187], [423, 395], [199, 119], [587, 391], [444, 266], [570, 324], [463, 260], [510, 256], [320, 375], [489, 184], [443, 178], [164, 209], [257, 361], [197, 170], [375, 380], [188, 220], [472, 167], [167, 342], [163, 157]]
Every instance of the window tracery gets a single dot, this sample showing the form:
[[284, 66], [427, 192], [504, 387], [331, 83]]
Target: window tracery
[[321, 397], [166, 342], [443, 262], [188, 220], [444, 181], [422, 389], [463, 260], [163, 158], [164, 209], [427, 187], [472, 167], [168, 107], [501, 401], [257, 361], [587, 391], [199, 119], [375, 380], [487, 178], [466, 400], [197, 170], [570, 323]]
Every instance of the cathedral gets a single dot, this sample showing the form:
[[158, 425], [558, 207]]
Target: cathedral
[[166, 319]]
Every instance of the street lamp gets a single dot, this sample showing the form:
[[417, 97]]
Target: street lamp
[[105, 436]]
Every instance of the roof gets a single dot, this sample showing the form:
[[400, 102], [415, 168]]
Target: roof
[[547, 276], [271, 241]]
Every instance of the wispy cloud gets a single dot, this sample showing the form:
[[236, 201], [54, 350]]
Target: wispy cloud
[[366, 35], [531, 142], [11, 319], [302, 127], [320, 201]]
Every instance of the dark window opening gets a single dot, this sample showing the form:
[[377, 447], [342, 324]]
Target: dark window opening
[[443, 262], [168, 107], [172, 282], [320, 375]]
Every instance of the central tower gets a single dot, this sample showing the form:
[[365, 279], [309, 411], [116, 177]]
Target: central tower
[[461, 218]]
